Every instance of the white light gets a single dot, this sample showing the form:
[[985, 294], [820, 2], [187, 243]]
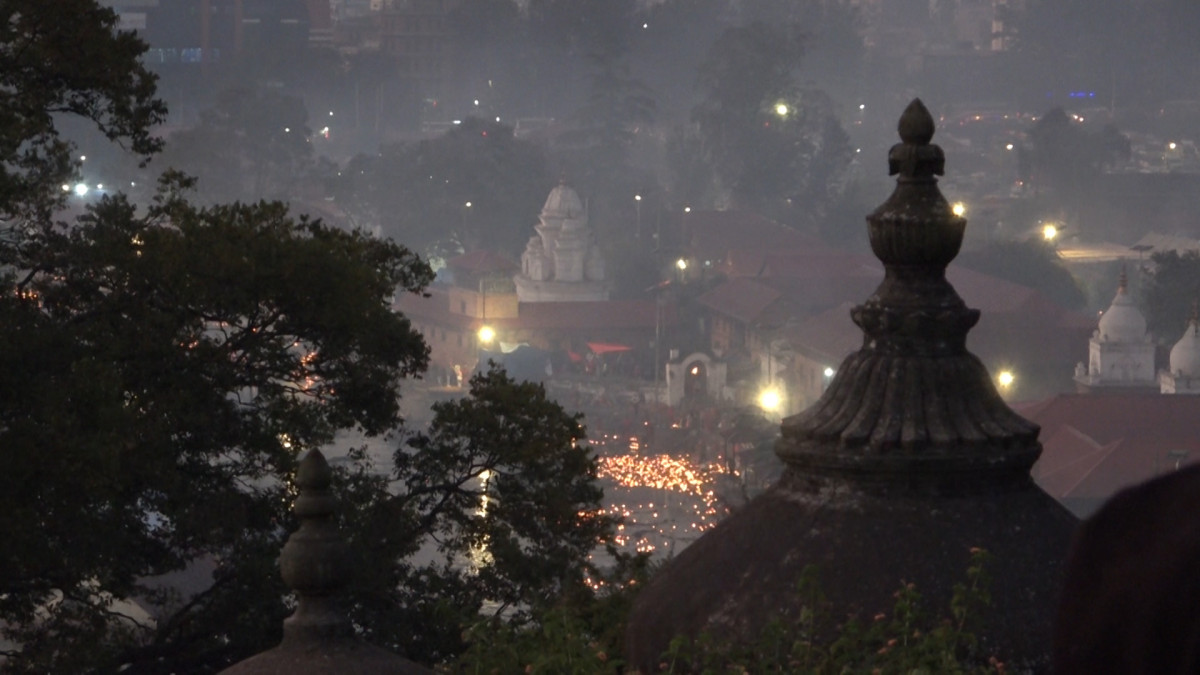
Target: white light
[[457, 122], [769, 400], [1049, 232], [486, 334], [862, 106], [497, 119], [1171, 145], [83, 158], [638, 197], [959, 209], [66, 188], [829, 371], [468, 205], [1009, 146], [476, 101], [687, 209], [781, 109], [100, 186], [287, 130], [1006, 378], [331, 113], [681, 264], [81, 189]]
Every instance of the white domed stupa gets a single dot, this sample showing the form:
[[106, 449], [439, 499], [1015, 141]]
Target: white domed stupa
[[562, 262], [1183, 375], [1120, 353]]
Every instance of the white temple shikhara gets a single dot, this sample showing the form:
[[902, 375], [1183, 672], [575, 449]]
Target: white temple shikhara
[[1120, 353], [562, 262], [1183, 376]]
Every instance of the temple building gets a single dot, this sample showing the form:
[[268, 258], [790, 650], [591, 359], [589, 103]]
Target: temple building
[[1183, 373], [562, 262], [1120, 353]]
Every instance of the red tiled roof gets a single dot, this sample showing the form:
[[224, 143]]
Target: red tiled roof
[[477, 262], [1097, 444], [712, 234], [743, 299], [618, 314]]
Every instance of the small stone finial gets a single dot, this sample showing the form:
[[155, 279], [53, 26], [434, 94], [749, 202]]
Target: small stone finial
[[916, 124], [314, 562], [915, 158], [1123, 281]]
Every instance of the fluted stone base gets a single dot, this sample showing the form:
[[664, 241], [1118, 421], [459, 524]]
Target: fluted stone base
[[867, 540]]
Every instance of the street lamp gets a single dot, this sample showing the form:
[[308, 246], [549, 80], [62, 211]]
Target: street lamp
[[770, 399], [958, 208], [781, 109], [1049, 231], [638, 200], [486, 334], [1006, 379]]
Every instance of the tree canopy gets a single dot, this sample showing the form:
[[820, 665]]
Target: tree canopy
[[163, 366], [51, 68], [419, 192], [1170, 292]]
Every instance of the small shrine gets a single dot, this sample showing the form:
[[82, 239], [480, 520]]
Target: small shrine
[[1183, 373], [562, 262], [1120, 352]]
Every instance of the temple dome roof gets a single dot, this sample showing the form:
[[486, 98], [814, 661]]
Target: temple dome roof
[[1123, 322], [1185, 355], [563, 203]]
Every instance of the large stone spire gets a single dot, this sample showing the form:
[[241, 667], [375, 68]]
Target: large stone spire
[[908, 461]]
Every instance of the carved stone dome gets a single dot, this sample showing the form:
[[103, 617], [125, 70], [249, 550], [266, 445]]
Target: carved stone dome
[[1123, 322], [564, 203], [1185, 355]]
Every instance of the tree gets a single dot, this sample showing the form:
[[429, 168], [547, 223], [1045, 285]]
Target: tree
[[1030, 263], [160, 372], [773, 146], [105, 85], [418, 192], [502, 486], [253, 144], [1170, 291]]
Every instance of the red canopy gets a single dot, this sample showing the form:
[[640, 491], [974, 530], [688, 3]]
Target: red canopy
[[606, 347]]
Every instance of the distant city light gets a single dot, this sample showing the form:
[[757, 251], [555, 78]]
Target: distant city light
[[1049, 231], [486, 334], [468, 205], [66, 188], [1009, 146], [287, 130], [829, 371], [476, 101], [83, 158], [781, 109], [637, 197], [81, 189], [687, 209], [681, 264], [862, 106], [1006, 378], [1171, 145], [959, 209]]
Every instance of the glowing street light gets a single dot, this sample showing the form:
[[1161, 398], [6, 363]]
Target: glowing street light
[[781, 109], [486, 334], [1006, 379], [829, 371], [770, 399], [958, 208], [681, 264], [1049, 232], [81, 189]]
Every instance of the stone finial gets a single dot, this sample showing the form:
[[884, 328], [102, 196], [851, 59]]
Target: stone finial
[[1123, 281], [912, 401], [315, 562]]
